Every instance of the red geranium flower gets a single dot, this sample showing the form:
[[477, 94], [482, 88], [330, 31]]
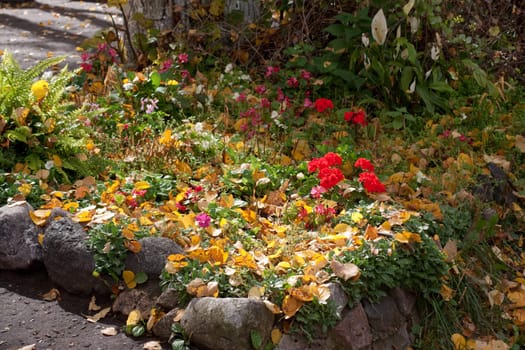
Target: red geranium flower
[[371, 182], [364, 164], [330, 177], [317, 164], [333, 159], [322, 104], [358, 117]]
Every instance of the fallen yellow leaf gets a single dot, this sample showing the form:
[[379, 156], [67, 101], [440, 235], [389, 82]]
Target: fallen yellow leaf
[[291, 306], [134, 318], [129, 279], [460, 343]]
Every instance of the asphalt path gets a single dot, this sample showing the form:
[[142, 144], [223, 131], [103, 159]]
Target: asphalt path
[[35, 30]]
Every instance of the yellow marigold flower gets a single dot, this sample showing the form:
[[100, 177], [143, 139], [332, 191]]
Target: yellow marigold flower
[[40, 89]]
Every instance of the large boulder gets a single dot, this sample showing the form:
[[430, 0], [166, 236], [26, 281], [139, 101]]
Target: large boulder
[[68, 261], [353, 331], [151, 258], [19, 247], [226, 323]]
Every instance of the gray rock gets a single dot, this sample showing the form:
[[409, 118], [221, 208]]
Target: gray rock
[[292, 342], [399, 340], [339, 297], [152, 257], [133, 299], [226, 323], [353, 331], [169, 299], [384, 317], [19, 247], [162, 328], [405, 300], [68, 261]]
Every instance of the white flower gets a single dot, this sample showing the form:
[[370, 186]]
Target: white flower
[[434, 52], [49, 164], [199, 127], [365, 40], [229, 68], [379, 27]]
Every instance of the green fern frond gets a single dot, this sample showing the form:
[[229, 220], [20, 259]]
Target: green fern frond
[[37, 70]]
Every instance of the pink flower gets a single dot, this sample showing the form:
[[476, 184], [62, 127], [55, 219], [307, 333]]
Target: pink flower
[[85, 56], [322, 104], [306, 75], [241, 98], [364, 164], [317, 191], [88, 67], [293, 82], [166, 65], [307, 103], [271, 71], [265, 103], [203, 220], [183, 58], [139, 193], [260, 89]]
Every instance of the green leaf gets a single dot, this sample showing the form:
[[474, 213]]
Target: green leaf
[[21, 134], [338, 44], [155, 79], [406, 78], [256, 339], [178, 344], [138, 330], [336, 29], [141, 277]]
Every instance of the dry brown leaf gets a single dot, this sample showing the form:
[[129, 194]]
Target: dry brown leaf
[[109, 331], [345, 271], [99, 315], [517, 298], [500, 161], [152, 345], [52, 295], [28, 347], [496, 297], [446, 292], [450, 250], [520, 143], [93, 305], [178, 315]]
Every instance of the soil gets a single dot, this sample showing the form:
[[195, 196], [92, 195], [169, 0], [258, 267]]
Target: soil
[[26, 318]]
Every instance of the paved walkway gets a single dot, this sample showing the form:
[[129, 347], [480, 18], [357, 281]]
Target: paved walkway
[[35, 30]]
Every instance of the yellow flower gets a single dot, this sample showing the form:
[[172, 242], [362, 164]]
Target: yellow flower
[[40, 89], [173, 82]]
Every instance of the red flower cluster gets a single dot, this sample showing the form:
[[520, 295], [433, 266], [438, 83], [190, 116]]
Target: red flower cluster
[[371, 182], [368, 178], [322, 104], [364, 164], [358, 117], [327, 171], [330, 177]]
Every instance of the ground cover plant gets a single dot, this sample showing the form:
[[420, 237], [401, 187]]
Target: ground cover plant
[[279, 178]]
